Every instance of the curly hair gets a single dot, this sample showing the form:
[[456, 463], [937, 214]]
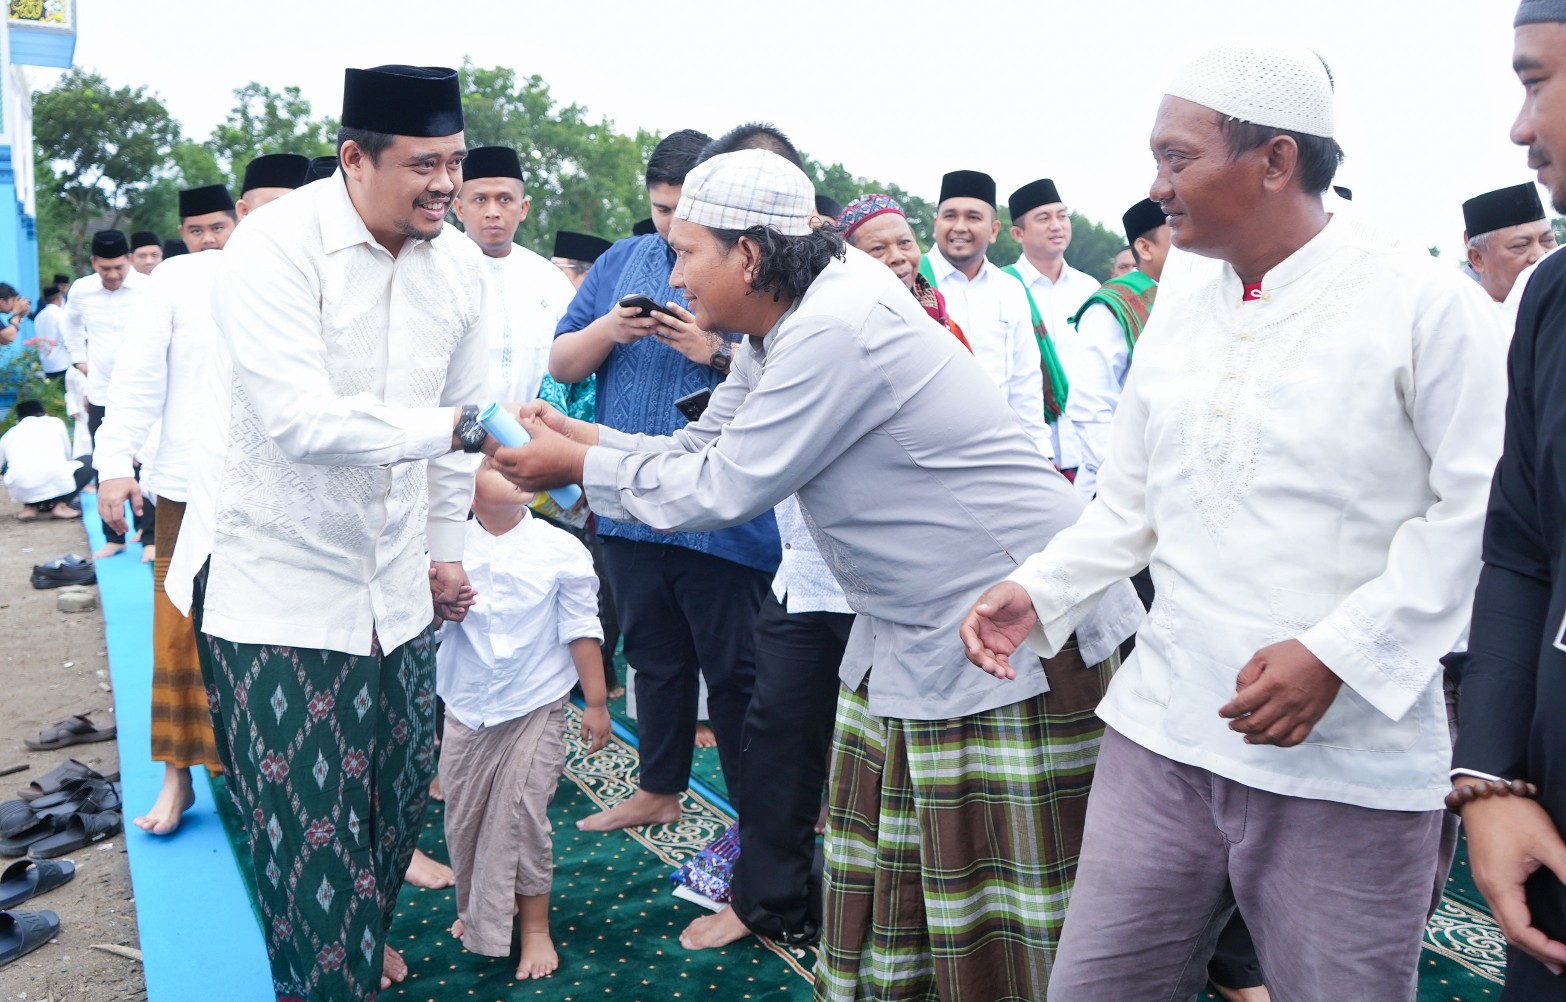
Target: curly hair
[[788, 264]]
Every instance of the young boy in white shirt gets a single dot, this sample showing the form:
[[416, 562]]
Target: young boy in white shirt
[[505, 673], [39, 470]]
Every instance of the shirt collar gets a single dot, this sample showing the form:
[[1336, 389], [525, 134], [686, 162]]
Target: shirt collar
[[1292, 268], [341, 225]]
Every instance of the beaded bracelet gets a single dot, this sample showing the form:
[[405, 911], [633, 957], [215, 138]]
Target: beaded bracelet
[[1466, 794]]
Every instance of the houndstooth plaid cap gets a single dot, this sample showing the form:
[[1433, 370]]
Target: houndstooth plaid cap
[[735, 191]]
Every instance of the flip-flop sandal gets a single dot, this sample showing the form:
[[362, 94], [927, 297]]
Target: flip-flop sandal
[[25, 879], [18, 844], [75, 730], [71, 790], [15, 815], [94, 797], [80, 830], [54, 780], [23, 932]]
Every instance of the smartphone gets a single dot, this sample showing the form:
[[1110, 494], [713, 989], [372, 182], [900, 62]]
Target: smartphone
[[693, 405], [647, 305]]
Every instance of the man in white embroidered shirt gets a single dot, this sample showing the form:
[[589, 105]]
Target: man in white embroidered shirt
[[351, 326], [1302, 454]]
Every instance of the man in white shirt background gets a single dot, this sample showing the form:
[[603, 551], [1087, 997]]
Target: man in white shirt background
[[1041, 223], [1506, 231], [97, 308], [1303, 456], [158, 389], [49, 335], [529, 293], [986, 303], [352, 328], [146, 251]]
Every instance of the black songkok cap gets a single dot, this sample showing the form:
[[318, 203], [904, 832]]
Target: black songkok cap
[[1495, 210], [1030, 196], [320, 167], [109, 243], [579, 246], [145, 238], [968, 184], [492, 161], [275, 170], [174, 248], [199, 202], [60, 279], [1143, 217], [403, 100], [828, 207], [1539, 12], [643, 227]]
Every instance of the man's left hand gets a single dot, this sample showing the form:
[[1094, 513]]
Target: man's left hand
[[681, 333], [550, 460], [1281, 693], [450, 590]]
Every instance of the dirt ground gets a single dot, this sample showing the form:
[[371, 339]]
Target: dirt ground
[[55, 665]]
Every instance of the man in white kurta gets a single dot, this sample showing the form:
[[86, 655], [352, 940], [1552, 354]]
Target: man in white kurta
[[530, 293], [351, 322], [1302, 455]]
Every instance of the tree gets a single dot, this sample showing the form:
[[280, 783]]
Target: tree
[[97, 150], [267, 121]]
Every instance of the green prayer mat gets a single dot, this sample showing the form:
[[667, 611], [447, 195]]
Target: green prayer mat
[[616, 923]]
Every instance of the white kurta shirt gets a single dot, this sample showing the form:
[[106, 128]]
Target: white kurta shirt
[[93, 325], [536, 593], [992, 311], [1058, 302], [1103, 362], [531, 295], [49, 333], [161, 374], [1314, 465], [36, 454], [326, 464]]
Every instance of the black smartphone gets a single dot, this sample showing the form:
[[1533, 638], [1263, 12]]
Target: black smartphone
[[693, 405], [647, 305]]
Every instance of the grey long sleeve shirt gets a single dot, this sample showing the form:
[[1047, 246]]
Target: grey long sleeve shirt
[[917, 480]]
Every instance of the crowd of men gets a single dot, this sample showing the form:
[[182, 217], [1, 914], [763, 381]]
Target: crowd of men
[[903, 511]]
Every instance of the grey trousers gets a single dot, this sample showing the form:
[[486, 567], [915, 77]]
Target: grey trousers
[[1336, 896]]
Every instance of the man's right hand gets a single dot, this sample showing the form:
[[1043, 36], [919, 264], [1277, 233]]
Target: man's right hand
[[996, 626], [112, 495], [624, 324], [583, 432], [1508, 839]]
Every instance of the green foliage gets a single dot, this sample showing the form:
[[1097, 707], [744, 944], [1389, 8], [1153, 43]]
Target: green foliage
[[262, 121], [22, 378], [98, 149]]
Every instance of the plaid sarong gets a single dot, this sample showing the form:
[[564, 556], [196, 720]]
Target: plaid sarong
[[953, 843], [181, 725]]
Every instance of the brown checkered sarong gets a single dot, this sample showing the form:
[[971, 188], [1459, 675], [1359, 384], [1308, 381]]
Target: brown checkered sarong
[[181, 722], [953, 843]]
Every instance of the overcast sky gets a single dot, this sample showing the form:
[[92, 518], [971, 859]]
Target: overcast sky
[[903, 93]]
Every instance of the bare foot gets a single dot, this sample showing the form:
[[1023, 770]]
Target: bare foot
[[1242, 994], [457, 929], [27, 515], [426, 873], [90, 489], [435, 791], [134, 537], [393, 969], [712, 931], [821, 820], [642, 808], [65, 511], [705, 738], [173, 801], [108, 550], [617, 692], [149, 553], [539, 959]]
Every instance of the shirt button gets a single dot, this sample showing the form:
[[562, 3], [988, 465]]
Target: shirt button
[[788, 546]]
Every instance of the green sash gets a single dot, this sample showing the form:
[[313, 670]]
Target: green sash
[[1130, 298], [1055, 385]]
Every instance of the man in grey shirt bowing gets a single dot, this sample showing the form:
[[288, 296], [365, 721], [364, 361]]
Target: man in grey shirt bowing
[[957, 798]]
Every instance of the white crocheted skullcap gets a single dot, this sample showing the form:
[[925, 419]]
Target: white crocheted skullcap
[[1284, 87], [735, 191]]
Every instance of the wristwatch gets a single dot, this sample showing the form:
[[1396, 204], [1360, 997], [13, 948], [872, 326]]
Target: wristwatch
[[722, 358], [469, 432]]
